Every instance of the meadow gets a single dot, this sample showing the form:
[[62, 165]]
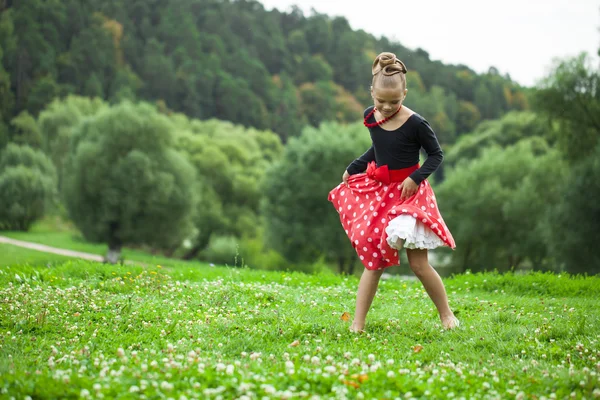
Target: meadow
[[78, 329]]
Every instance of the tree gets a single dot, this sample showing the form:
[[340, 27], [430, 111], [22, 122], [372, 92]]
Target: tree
[[300, 223], [497, 205], [570, 95], [125, 183], [230, 162], [27, 186], [56, 123]]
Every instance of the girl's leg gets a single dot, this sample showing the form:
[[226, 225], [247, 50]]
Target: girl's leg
[[366, 292], [432, 282]]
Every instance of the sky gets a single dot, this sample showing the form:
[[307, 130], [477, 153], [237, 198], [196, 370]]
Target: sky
[[518, 37]]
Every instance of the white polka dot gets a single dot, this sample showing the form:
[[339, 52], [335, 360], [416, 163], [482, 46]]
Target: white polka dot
[[415, 215], [362, 257], [371, 208], [370, 264], [375, 214], [362, 206], [432, 205], [357, 226], [433, 226], [383, 220], [404, 210], [354, 215], [385, 188], [424, 220], [382, 251], [365, 249], [349, 207], [357, 198], [423, 208], [382, 204], [421, 192], [368, 223], [378, 198], [362, 233], [393, 211], [375, 254], [365, 218], [340, 209], [333, 196], [395, 253], [399, 187], [369, 240], [346, 231], [367, 197], [376, 230], [391, 195], [342, 193], [356, 242]]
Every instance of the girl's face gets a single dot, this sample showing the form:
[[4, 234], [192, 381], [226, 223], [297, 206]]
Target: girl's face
[[388, 100]]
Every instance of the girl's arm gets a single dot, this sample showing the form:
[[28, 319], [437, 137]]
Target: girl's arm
[[435, 155]]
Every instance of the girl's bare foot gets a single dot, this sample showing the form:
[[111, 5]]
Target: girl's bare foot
[[357, 328], [450, 322]]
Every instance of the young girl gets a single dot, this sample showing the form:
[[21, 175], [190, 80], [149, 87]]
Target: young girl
[[385, 202]]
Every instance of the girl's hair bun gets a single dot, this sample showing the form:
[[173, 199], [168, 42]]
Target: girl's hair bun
[[388, 64]]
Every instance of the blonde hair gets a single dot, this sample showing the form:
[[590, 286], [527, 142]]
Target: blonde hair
[[388, 71]]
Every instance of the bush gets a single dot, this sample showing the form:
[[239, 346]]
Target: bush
[[222, 250], [27, 186]]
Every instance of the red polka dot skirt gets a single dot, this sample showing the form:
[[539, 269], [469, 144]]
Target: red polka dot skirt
[[372, 200]]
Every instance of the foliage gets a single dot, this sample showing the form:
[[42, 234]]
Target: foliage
[[124, 181], [496, 205], [570, 95], [215, 59], [300, 223], [230, 163], [27, 186]]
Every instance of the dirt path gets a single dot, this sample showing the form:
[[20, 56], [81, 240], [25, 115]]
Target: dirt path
[[56, 250]]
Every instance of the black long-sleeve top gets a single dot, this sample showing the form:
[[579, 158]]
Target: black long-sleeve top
[[400, 148]]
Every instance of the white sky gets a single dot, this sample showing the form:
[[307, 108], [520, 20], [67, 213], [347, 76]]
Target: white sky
[[519, 37]]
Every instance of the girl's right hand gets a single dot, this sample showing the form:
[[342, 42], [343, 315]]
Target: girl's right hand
[[345, 177]]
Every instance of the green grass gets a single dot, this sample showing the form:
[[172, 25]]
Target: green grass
[[14, 255], [82, 329], [56, 233]]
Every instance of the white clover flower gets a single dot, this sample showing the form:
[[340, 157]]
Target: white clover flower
[[229, 370], [84, 393], [220, 367], [391, 374], [289, 364], [390, 362], [134, 389], [120, 352], [371, 357], [315, 360]]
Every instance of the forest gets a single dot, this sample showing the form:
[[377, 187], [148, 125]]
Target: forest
[[205, 129]]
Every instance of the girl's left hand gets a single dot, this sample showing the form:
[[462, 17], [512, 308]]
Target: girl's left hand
[[409, 188]]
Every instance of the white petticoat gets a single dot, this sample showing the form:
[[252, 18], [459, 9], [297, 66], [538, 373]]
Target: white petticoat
[[405, 231]]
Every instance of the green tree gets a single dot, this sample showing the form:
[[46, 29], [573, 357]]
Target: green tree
[[126, 184], [27, 186], [570, 96], [572, 231], [230, 161], [496, 205], [300, 223], [57, 122]]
